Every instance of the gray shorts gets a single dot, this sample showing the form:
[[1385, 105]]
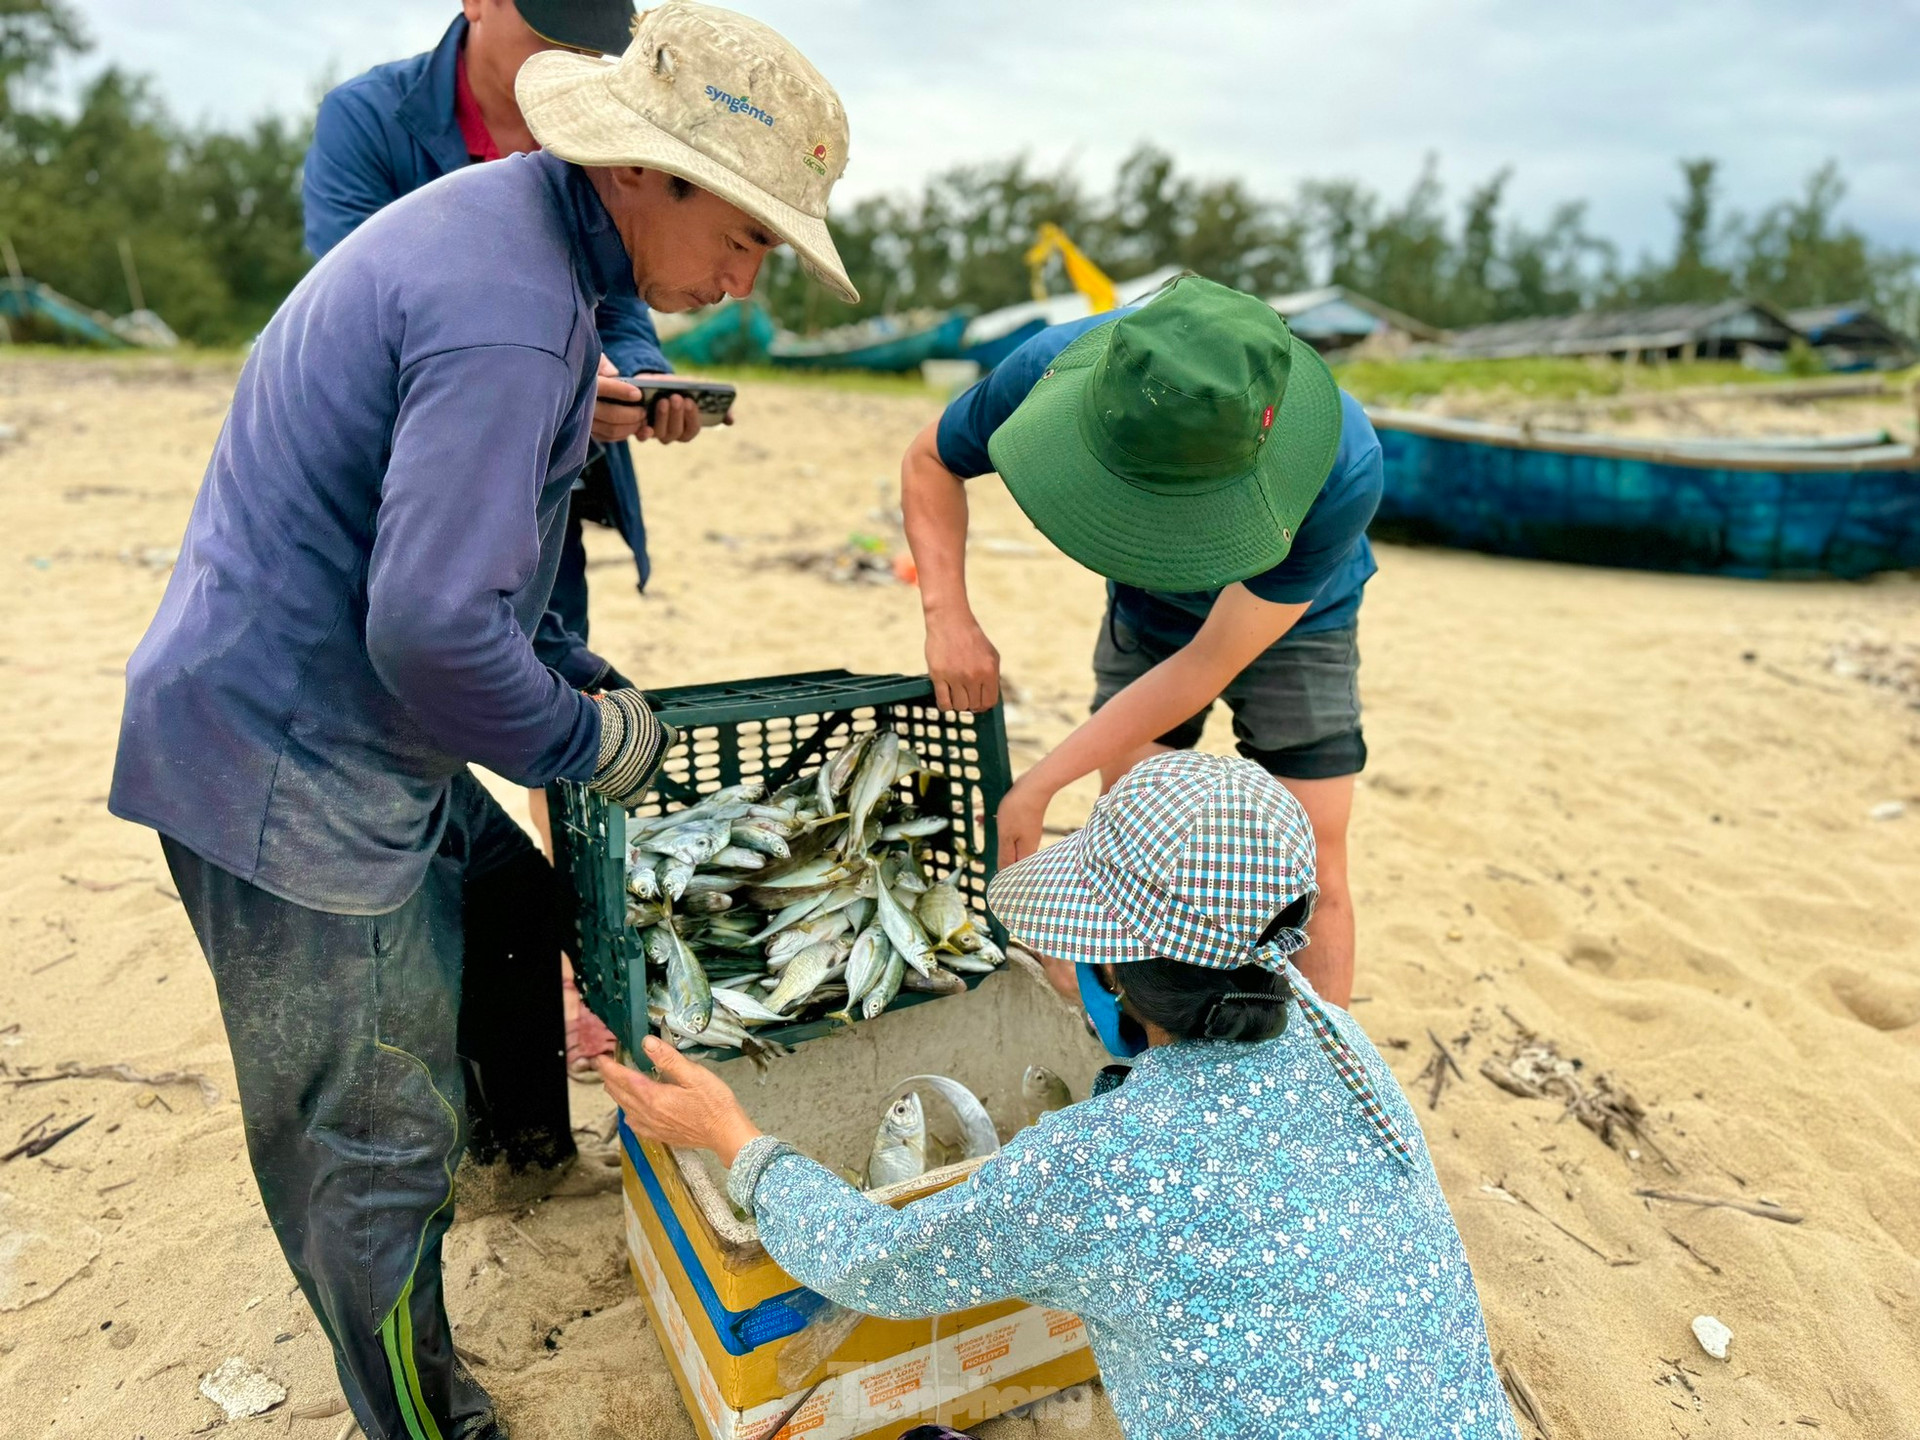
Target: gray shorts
[[1296, 708]]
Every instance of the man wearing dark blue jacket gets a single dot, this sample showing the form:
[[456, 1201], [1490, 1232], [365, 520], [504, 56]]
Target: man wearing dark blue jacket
[[389, 131], [349, 627], [399, 126]]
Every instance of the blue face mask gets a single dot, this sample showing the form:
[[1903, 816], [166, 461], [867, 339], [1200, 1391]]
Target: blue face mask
[[1121, 1034]]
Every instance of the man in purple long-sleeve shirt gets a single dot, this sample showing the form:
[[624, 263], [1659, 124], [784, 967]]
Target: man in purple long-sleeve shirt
[[348, 627]]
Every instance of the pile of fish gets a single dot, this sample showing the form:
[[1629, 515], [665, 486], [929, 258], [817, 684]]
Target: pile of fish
[[763, 910], [904, 1146]]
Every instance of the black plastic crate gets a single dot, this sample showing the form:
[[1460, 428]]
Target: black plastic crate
[[770, 730]]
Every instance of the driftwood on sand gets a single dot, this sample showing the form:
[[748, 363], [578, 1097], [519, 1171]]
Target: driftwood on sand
[[1534, 1068], [1765, 1209]]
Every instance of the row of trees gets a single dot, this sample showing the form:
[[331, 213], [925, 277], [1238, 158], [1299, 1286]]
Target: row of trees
[[962, 241], [212, 220]]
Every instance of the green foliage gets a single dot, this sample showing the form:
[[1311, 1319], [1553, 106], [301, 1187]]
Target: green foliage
[[212, 219], [962, 241], [213, 222], [1802, 360], [1394, 382]]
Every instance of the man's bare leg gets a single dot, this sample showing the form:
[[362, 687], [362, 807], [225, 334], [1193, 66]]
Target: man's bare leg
[[1328, 961], [587, 1036], [542, 825]]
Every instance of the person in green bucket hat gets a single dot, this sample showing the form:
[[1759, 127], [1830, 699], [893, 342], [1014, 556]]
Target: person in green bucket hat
[[1200, 456]]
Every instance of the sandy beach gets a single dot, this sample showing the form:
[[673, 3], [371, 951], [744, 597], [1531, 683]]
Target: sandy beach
[[1670, 824]]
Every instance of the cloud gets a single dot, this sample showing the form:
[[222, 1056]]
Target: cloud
[[1584, 100]]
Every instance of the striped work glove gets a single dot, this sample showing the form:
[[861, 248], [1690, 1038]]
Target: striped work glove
[[633, 746]]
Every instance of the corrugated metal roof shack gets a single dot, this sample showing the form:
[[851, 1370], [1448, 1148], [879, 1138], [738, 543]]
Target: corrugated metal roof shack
[[1853, 337], [1726, 330], [1334, 319]]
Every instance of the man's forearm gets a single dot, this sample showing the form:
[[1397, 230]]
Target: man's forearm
[[933, 509], [1238, 629], [1172, 692]]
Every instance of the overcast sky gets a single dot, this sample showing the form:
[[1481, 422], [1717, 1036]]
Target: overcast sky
[[1584, 100]]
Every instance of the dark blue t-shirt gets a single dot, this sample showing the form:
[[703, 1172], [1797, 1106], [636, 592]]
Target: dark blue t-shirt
[[1329, 564]]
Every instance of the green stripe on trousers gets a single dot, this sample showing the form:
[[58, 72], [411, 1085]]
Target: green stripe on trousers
[[396, 1334]]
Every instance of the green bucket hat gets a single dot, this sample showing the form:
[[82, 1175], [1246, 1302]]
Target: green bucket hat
[[1176, 448]]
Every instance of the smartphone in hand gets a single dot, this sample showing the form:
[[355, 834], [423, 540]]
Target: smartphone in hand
[[713, 397]]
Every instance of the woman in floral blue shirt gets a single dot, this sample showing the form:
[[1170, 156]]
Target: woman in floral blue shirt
[[1250, 1225]]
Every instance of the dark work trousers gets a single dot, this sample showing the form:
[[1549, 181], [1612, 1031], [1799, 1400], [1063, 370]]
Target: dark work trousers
[[369, 1050]]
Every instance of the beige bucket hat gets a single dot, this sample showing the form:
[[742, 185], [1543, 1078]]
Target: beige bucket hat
[[715, 98]]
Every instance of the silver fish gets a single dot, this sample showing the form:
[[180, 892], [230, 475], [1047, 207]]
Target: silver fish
[[764, 838], [918, 828], [720, 1033], [641, 915], [789, 943], [689, 997], [969, 962], [842, 897], [707, 902], [904, 931], [793, 913], [1044, 1092], [976, 1126], [943, 911], [804, 974], [941, 981], [710, 884], [836, 773], [974, 941], [900, 1145], [737, 857], [846, 760], [821, 870], [643, 881], [871, 785], [886, 987], [694, 842], [675, 876], [907, 764], [724, 937], [905, 874], [866, 963], [744, 1008]]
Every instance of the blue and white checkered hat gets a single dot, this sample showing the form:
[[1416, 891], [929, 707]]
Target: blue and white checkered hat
[[1188, 858]]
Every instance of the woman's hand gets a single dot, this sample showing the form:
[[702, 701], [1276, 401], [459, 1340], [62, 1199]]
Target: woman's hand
[[686, 1106], [1021, 816]]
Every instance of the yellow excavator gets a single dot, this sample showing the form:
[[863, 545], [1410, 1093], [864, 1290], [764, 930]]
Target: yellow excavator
[[1088, 278]]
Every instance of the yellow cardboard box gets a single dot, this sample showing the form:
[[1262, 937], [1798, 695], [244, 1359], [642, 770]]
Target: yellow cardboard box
[[888, 1377], [724, 1310]]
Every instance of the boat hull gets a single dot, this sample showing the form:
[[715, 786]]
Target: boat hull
[[1737, 514], [895, 354]]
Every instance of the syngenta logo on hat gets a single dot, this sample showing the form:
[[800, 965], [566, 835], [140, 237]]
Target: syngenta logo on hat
[[739, 105]]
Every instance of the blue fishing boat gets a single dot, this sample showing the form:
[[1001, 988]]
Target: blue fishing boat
[[890, 343], [1747, 508], [734, 332], [30, 310]]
